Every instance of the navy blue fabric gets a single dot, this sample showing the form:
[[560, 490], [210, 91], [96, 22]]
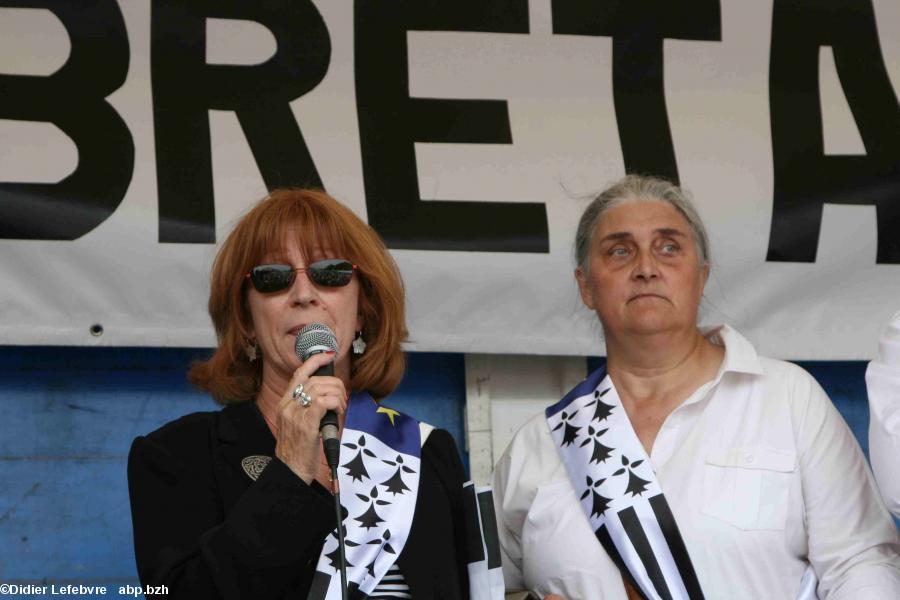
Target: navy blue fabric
[[585, 387], [392, 428]]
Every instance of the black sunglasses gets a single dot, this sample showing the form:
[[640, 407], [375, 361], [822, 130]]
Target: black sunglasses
[[331, 272]]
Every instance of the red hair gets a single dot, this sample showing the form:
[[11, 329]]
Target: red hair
[[319, 220]]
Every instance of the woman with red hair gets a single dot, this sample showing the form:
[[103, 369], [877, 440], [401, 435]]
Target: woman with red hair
[[237, 503]]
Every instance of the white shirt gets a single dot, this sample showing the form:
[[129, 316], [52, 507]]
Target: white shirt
[[883, 383], [763, 477]]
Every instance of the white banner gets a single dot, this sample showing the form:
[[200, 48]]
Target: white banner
[[471, 136]]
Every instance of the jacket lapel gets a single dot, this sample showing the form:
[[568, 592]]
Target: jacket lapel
[[245, 446]]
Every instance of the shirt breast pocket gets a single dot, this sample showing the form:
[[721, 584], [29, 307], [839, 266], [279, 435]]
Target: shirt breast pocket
[[748, 486]]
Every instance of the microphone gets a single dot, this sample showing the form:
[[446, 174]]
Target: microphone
[[313, 339]]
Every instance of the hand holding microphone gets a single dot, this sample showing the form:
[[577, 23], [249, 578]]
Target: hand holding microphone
[[314, 339], [313, 400]]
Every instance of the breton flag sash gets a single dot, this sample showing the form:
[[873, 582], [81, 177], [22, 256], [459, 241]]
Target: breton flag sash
[[618, 491], [620, 495], [379, 482]]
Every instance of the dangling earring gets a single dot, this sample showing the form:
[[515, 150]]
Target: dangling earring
[[252, 351], [359, 344]]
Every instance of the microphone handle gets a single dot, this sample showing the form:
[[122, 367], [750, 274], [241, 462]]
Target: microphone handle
[[328, 426], [330, 418], [324, 369]]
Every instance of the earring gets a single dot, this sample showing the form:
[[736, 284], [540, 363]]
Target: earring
[[359, 344], [252, 351]]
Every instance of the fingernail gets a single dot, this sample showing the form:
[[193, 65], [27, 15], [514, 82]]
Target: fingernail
[[329, 352]]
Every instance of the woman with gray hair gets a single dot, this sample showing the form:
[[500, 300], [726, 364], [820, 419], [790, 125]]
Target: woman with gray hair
[[688, 466]]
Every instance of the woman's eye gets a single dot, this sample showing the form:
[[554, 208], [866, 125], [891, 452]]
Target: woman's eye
[[618, 251], [670, 247]]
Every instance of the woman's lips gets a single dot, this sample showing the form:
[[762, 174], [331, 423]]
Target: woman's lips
[[295, 330]]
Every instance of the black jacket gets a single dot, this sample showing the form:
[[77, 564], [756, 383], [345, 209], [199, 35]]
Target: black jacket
[[205, 529]]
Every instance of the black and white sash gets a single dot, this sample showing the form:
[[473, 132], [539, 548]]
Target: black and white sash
[[380, 462], [379, 482], [620, 495], [484, 566], [619, 492]]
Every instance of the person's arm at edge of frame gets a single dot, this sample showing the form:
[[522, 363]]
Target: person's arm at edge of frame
[[883, 386], [853, 544]]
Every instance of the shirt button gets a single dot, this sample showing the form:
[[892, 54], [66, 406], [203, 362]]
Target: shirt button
[[748, 458]]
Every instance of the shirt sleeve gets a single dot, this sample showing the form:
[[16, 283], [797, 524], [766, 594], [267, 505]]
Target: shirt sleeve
[[183, 539], [509, 530], [853, 544], [515, 481], [883, 385]]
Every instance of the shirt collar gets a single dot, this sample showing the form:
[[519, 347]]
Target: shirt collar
[[740, 355]]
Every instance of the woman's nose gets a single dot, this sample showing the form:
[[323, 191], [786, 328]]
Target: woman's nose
[[303, 291], [645, 266]]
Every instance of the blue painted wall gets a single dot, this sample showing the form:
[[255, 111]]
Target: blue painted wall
[[68, 415]]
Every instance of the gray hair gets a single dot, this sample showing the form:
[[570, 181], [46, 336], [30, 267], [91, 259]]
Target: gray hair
[[638, 188]]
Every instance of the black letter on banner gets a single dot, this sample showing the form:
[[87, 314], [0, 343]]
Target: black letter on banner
[[185, 88], [638, 29], [805, 178], [73, 99], [390, 123]]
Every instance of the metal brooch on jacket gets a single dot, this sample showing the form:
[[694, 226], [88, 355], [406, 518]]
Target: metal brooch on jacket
[[253, 465]]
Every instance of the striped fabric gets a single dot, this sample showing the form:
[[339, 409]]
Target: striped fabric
[[482, 544], [392, 586]]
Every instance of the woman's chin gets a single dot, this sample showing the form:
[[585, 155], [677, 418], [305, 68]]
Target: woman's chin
[[653, 324]]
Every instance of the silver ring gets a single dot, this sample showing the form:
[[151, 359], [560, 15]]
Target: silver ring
[[302, 398]]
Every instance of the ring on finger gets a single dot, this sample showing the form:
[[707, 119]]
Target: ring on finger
[[304, 399], [298, 391]]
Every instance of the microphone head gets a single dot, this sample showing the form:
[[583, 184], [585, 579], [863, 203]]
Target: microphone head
[[313, 339]]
